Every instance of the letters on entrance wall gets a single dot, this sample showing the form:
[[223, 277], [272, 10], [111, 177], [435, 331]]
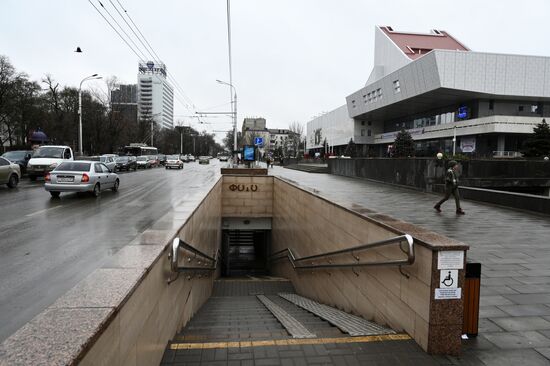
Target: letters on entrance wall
[[244, 187]]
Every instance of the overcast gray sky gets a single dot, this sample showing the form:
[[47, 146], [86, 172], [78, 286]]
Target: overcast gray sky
[[292, 59]]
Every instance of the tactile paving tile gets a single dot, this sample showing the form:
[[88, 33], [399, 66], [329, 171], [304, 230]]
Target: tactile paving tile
[[351, 324], [293, 326]]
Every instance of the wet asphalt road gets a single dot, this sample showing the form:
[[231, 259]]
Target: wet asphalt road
[[48, 245]]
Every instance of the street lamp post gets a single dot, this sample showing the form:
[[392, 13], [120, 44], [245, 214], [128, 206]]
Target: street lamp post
[[91, 77], [234, 113]]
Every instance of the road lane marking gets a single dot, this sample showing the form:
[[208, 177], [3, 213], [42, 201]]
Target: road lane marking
[[291, 342], [44, 210]]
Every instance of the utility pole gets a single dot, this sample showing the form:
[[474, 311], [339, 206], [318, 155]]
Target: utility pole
[[91, 77], [152, 130]]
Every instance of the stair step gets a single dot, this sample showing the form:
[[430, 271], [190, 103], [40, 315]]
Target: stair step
[[351, 324], [293, 326]]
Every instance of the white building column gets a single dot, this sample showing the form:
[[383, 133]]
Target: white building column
[[501, 145]]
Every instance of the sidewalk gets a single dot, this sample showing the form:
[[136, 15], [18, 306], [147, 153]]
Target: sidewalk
[[512, 246]]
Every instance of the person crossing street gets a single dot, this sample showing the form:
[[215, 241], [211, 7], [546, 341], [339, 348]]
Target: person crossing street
[[451, 187]]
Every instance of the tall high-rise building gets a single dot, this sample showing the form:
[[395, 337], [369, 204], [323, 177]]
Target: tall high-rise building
[[124, 101], [155, 94]]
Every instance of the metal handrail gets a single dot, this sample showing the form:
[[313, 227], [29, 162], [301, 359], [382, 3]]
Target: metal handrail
[[173, 256], [397, 262]]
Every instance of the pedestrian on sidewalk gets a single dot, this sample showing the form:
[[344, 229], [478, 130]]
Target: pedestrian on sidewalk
[[451, 187]]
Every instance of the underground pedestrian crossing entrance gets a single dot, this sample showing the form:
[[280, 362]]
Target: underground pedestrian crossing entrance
[[264, 271]]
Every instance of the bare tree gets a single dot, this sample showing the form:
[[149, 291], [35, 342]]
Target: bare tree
[[297, 135]]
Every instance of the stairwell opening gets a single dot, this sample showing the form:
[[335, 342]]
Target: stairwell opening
[[245, 246]]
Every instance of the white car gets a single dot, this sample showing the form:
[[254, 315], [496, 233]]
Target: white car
[[81, 176], [173, 161], [46, 158]]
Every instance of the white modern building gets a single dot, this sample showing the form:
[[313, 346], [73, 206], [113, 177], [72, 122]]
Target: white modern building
[[332, 131], [435, 87], [155, 94]]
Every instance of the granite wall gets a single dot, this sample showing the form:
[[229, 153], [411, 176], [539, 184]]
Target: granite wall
[[309, 225], [247, 196]]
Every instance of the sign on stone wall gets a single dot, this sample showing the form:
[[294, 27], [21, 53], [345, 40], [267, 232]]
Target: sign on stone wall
[[244, 187], [449, 262]]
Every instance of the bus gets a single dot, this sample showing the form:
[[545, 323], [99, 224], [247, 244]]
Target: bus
[[139, 149]]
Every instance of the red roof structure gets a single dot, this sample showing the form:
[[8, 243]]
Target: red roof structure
[[415, 45]]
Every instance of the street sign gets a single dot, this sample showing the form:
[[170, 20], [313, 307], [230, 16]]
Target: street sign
[[258, 141]]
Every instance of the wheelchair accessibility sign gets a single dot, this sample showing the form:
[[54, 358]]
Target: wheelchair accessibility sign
[[448, 285], [448, 278]]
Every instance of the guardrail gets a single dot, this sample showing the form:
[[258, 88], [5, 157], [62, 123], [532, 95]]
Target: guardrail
[[409, 250], [204, 261]]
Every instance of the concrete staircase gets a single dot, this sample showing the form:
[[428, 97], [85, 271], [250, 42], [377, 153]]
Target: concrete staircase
[[251, 317]]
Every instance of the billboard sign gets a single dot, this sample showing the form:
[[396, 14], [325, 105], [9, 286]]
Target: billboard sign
[[248, 153]]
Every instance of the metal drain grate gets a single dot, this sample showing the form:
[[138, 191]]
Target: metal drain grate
[[293, 326], [351, 324]]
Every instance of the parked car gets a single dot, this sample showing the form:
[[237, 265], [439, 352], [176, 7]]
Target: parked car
[[153, 161], [46, 158], [20, 157], [143, 162], [109, 160], [190, 158], [223, 158], [125, 163], [10, 173], [161, 158], [81, 176], [204, 160], [184, 158], [173, 161]]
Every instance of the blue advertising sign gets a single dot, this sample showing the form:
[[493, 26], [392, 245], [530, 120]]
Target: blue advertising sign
[[248, 153], [258, 141], [462, 112]]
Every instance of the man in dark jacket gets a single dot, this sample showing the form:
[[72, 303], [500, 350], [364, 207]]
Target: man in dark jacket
[[451, 187]]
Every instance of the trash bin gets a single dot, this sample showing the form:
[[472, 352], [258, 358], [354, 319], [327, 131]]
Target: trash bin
[[471, 299]]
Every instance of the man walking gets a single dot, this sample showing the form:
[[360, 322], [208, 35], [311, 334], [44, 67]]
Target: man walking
[[451, 187]]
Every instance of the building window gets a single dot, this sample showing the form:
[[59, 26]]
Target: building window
[[369, 123], [362, 132], [491, 105], [362, 123], [520, 108], [379, 92], [534, 108], [396, 86], [369, 133]]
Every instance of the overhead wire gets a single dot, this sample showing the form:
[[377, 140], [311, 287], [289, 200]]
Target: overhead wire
[[169, 75], [123, 31], [182, 98], [121, 37], [179, 93]]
